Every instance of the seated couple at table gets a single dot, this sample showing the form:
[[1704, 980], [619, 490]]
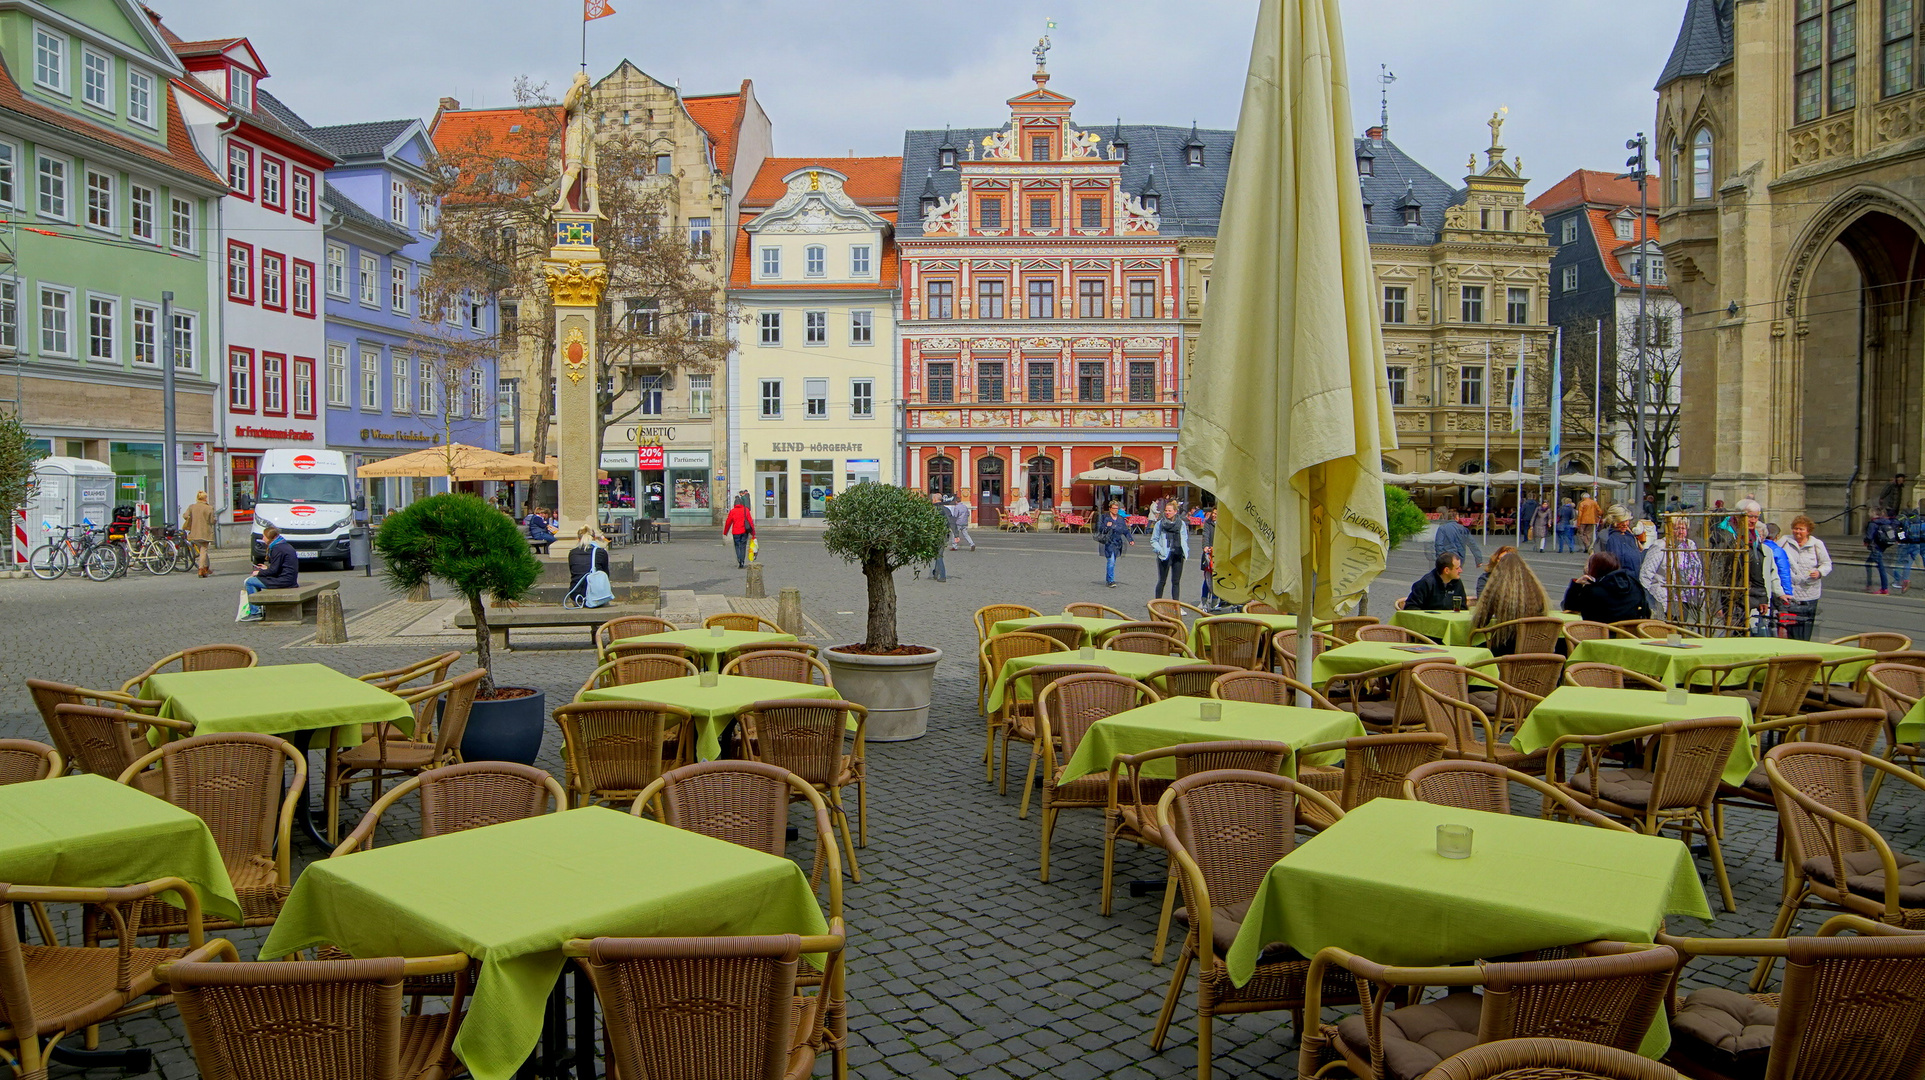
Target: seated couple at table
[[1508, 590]]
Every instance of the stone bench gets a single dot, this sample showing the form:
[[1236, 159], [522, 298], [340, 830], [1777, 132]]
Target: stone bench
[[296, 605], [503, 620]]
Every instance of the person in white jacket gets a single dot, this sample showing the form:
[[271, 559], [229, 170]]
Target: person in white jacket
[[1810, 566], [1673, 573]]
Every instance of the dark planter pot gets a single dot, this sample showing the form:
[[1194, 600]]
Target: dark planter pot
[[506, 730]]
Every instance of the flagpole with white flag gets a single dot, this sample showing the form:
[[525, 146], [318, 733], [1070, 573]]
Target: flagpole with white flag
[[1488, 373], [1555, 451]]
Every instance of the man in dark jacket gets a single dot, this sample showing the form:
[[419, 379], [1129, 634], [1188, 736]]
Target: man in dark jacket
[[279, 569], [1440, 590]]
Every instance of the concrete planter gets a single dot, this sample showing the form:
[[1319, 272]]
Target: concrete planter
[[895, 689], [505, 730]]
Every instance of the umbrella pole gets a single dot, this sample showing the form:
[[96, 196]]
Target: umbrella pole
[[1306, 619]]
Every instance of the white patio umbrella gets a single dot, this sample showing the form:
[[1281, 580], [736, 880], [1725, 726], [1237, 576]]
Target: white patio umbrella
[[1578, 479], [1107, 476]]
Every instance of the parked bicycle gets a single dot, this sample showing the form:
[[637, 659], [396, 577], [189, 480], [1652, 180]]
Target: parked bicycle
[[81, 549]]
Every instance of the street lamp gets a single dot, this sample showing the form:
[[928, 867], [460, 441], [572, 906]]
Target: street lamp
[[1637, 169]]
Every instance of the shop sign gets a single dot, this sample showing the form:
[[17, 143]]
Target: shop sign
[[244, 432], [618, 459], [650, 457], [192, 453], [650, 435], [697, 459], [818, 448], [395, 436]]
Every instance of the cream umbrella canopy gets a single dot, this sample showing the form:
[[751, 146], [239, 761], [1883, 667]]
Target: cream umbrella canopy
[[449, 459], [1288, 409]]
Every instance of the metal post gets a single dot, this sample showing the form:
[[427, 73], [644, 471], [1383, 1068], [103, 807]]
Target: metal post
[[1488, 383], [1637, 167], [1597, 404], [169, 453]]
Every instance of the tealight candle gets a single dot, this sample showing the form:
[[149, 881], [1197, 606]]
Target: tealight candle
[[1453, 841], [709, 678], [1209, 710], [1673, 639], [1676, 695], [717, 631], [1088, 653]]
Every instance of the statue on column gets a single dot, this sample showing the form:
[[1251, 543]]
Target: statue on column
[[578, 192]]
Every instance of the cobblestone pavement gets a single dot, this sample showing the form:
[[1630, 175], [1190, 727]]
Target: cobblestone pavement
[[963, 964]]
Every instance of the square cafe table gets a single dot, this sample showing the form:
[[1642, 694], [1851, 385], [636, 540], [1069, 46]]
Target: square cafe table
[[511, 895], [1451, 627], [1135, 665], [1091, 626], [1174, 721], [89, 832], [712, 706], [1364, 655], [1200, 630], [1585, 710], [277, 700], [710, 647], [1374, 884], [1669, 664]]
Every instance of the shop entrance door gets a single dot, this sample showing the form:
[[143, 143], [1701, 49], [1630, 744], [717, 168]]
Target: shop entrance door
[[771, 490]]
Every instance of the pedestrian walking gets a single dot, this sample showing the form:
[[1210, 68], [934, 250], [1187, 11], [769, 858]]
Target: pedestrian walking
[[1452, 538], [1526, 519], [1587, 519], [1542, 524], [1810, 565], [1911, 543], [1207, 598], [739, 526], [1566, 526], [199, 523], [1112, 535], [1893, 497], [1617, 538], [1879, 537], [958, 512], [1170, 542], [937, 571]]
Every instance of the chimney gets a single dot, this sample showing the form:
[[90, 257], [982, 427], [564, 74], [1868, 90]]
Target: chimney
[[449, 104], [1375, 134]]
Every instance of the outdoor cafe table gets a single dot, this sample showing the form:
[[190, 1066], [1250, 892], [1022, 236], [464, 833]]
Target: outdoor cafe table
[[89, 832], [1091, 626], [712, 706], [1365, 655], [1200, 630], [1135, 665], [276, 700], [1174, 721], [1374, 884], [1587, 710], [1669, 663], [705, 643], [1451, 627], [511, 895]]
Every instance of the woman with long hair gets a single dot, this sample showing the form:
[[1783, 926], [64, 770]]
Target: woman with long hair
[[1510, 591], [1484, 572]]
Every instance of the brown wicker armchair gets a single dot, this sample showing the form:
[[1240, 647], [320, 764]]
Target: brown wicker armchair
[[1381, 697], [1083, 609], [1224, 830], [1895, 689], [240, 784], [1374, 767], [1888, 647], [1346, 628], [444, 705], [742, 620], [1548, 1059], [456, 798], [1396, 635], [628, 626], [1609, 995], [801, 647], [1675, 787], [1064, 712], [1234, 640], [1190, 680], [633, 649], [1100, 638], [197, 658], [716, 1006], [1267, 688], [106, 742], [1131, 811], [1283, 648], [633, 668], [23, 760], [1655, 628], [810, 738], [1481, 785], [990, 658], [49, 696], [1783, 681], [48, 992], [1534, 673], [1608, 677], [1172, 612], [1067, 634], [1154, 644], [746, 803], [1535, 634], [1584, 630], [434, 669], [781, 665], [1856, 728], [1443, 690], [614, 749], [1020, 722], [319, 1019], [1258, 607], [989, 616]]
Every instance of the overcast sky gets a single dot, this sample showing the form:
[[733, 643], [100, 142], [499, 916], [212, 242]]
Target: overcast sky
[[845, 75]]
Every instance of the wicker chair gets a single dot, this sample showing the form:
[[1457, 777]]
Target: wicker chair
[[1258, 607], [1888, 647], [1895, 689], [339, 1019], [806, 736], [1267, 688], [1153, 644], [614, 749], [1655, 629], [1374, 767], [1848, 1006], [106, 742], [1283, 645], [995, 652], [49, 696], [1021, 723], [631, 669], [746, 803], [1396, 635], [1084, 609], [1173, 612], [1675, 787], [781, 665], [456, 798], [434, 669], [1234, 640], [1380, 696], [1856, 728], [1608, 677], [1345, 629], [237, 782], [445, 704], [801, 647], [1610, 995], [1534, 634], [78, 987], [1100, 638], [1630, 628], [1131, 811], [989, 616], [1224, 830], [1534, 673], [1067, 634], [1584, 630], [1784, 682], [645, 647], [1065, 709], [197, 658], [628, 626], [1548, 1059], [1480, 785], [1443, 690], [23, 760], [1190, 680], [715, 1006], [742, 620]]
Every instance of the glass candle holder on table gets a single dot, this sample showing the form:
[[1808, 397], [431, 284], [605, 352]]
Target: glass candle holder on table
[[1209, 710], [717, 631], [1453, 841], [708, 678], [1087, 653]]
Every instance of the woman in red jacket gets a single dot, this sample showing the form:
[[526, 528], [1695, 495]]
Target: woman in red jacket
[[740, 525]]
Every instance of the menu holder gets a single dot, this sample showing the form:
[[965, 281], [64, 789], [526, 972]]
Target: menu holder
[[1419, 648]]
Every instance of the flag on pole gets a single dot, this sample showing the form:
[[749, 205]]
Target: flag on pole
[[595, 9], [1557, 401], [1517, 398]]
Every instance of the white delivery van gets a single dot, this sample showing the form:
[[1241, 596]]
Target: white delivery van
[[305, 494]]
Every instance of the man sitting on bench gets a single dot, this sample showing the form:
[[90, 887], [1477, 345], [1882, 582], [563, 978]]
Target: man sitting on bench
[[280, 570]]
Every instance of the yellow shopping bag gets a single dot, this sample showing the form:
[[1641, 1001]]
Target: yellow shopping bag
[[753, 542]]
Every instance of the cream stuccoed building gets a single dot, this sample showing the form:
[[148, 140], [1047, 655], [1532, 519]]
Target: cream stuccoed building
[[812, 386]]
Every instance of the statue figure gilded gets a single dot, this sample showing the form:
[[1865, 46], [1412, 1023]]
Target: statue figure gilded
[[578, 191]]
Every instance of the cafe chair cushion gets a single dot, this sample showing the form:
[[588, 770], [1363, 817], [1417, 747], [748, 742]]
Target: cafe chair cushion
[[1418, 1037]]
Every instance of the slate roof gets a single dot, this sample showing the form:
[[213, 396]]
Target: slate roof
[[1397, 177], [1704, 41], [1192, 196], [275, 118], [273, 106], [366, 139], [335, 202]]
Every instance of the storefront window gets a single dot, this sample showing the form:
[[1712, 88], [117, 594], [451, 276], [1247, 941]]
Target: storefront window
[[244, 468], [818, 486], [688, 480]]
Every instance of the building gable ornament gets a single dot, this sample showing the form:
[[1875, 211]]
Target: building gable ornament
[[1042, 343], [1001, 146], [1081, 144], [1132, 217], [815, 203], [945, 218]]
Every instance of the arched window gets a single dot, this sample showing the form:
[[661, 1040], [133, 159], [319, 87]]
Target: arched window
[[1042, 481], [1701, 164], [942, 476]]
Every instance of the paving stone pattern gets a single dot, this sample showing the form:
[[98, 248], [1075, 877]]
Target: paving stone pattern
[[962, 963]]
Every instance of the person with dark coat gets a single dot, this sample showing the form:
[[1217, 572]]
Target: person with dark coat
[[540, 527], [1606, 592], [1112, 534], [1615, 539], [280, 568], [1440, 590]]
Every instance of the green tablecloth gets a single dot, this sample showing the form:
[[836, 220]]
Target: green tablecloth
[[1668, 664], [1174, 721], [1200, 631], [712, 706], [1450, 627], [1135, 665], [1091, 627], [1584, 710], [705, 644], [1912, 728], [277, 700], [1364, 655], [510, 895], [1374, 884], [89, 832]]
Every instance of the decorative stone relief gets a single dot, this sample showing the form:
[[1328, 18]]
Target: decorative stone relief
[[992, 418], [1042, 418], [1142, 418], [1895, 120], [1042, 343], [1092, 418], [946, 218], [1133, 217], [938, 344], [1142, 343], [1081, 144], [940, 417], [1001, 146]]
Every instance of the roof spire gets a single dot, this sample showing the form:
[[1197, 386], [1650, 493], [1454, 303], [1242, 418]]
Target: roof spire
[[1384, 78]]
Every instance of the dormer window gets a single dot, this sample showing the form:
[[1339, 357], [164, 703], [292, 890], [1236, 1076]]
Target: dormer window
[[1621, 226], [1413, 215], [1195, 154], [946, 158], [929, 198], [1120, 152], [240, 89], [1152, 202], [1366, 161]]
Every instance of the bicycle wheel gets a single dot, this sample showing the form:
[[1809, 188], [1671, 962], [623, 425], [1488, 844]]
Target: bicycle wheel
[[156, 558], [48, 561], [101, 562], [183, 556]]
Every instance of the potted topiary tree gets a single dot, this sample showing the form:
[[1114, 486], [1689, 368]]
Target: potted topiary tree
[[475, 549], [882, 529]]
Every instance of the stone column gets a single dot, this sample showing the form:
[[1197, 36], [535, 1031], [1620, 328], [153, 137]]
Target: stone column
[[576, 276]]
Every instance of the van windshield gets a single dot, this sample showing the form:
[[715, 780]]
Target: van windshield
[[302, 487]]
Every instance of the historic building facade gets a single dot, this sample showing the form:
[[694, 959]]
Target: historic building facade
[[812, 386], [1042, 324], [1792, 137]]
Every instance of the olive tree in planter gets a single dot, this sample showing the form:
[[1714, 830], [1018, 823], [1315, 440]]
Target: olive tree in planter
[[475, 549], [882, 529]]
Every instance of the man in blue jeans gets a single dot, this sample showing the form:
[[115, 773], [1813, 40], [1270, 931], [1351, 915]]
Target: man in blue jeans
[[279, 569], [1112, 533]]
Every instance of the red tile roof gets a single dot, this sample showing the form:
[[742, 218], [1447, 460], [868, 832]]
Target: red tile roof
[[1588, 186], [179, 154], [479, 130], [1611, 245], [211, 45], [872, 183], [721, 116], [888, 271]]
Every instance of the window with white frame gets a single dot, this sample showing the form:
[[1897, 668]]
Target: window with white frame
[[181, 225], [240, 170], [50, 59], [140, 98], [1570, 231], [859, 260], [337, 270], [97, 79], [771, 262], [273, 280], [398, 287], [701, 324], [1398, 378], [476, 312], [303, 287], [650, 395], [815, 260], [862, 398], [337, 374], [101, 312], [700, 394], [398, 203], [371, 378], [9, 164], [186, 345], [145, 321], [478, 391], [240, 380], [771, 325], [303, 194], [52, 176], [815, 328], [271, 175], [1569, 277], [370, 280], [100, 200], [240, 272], [303, 380], [701, 235], [273, 383], [10, 314], [56, 320], [815, 399], [862, 327], [143, 206], [424, 394], [401, 370], [771, 399], [240, 89]]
